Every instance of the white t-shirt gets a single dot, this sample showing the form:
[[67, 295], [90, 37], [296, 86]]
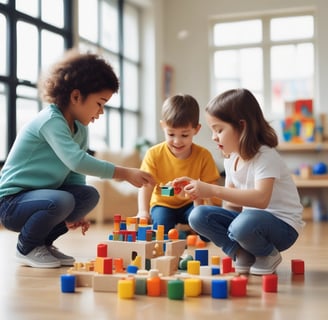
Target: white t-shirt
[[285, 201]]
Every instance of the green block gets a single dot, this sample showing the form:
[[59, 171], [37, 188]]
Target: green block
[[141, 286], [167, 191], [175, 289]]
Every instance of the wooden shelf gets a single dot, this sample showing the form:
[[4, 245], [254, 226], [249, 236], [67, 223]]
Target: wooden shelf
[[309, 146], [311, 182]]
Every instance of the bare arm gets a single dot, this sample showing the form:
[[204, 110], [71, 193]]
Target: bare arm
[[144, 196], [136, 177], [259, 197]]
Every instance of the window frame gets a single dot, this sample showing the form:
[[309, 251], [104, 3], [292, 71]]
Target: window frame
[[122, 110], [10, 80], [266, 44]]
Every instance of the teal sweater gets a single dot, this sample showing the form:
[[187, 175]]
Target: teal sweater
[[46, 155]]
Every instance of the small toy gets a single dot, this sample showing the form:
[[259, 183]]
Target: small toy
[[175, 289], [67, 283], [270, 283], [220, 289], [297, 266], [238, 286]]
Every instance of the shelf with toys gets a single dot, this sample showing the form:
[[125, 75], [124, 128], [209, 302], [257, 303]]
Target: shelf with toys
[[304, 147]]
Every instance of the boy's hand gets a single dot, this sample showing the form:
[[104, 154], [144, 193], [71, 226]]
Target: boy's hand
[[84, 224]]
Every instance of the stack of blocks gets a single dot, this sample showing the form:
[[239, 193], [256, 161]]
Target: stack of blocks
[[133, 263]]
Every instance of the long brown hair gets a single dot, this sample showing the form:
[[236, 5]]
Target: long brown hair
[[239, 108]]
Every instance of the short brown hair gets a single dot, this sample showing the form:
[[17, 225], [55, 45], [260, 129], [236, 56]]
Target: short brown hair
[[89, 73], [239, 108], [180, 111]]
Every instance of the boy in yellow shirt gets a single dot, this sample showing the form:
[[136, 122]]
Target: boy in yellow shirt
[[175, 157]]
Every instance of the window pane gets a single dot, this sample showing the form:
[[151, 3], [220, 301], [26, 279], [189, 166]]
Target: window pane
[[239, 68], [88, 28], [52, 47], [131, 34], [130, 131], [29, 7], [53, 12], [26, 111], [27, 60], [292, 28], [109, 26], [27, 92], [292, 71], [3, 47], [115, 100], [114, 130], [4, 1], [130, 86], [3, 122], [240, 32]]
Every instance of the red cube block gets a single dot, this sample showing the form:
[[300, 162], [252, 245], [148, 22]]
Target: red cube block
[[297, 266], [238, 286], [270, 283]]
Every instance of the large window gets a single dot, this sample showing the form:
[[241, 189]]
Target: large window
[[114, 32], [273, 56], [33, 34]]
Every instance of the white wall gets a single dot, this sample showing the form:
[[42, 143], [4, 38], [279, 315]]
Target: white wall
[[189, 55]]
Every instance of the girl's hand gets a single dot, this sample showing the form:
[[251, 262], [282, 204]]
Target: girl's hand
[[196, 189]]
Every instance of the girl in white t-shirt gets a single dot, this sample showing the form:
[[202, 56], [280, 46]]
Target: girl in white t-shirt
[[262, 213]]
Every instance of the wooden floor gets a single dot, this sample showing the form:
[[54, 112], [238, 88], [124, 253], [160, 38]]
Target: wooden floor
[[27, 293]]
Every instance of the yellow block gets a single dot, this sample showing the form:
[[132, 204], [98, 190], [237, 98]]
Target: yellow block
[[215, 260], [193, 267], [125, 288], [192, 287]]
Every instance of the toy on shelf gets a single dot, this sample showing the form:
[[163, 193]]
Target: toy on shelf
[[299, 125], [317, 171]]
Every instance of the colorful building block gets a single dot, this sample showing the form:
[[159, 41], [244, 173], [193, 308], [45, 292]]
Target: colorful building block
[[153, 284], [297, 266], [175, 289], [68, 283], [226, 265], [193, 267], [270, 283], [202, 256], [238, 286], [219, 289], [104, 265], [125, 288], [167, 191], [193, 287]]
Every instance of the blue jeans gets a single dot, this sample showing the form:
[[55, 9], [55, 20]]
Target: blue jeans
[[256, 231], [170, 217], [39, 215]]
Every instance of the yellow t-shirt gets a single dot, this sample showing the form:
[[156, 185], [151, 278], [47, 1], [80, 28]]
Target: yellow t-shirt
[[165, 167]]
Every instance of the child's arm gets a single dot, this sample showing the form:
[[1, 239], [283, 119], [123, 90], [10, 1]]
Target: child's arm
[[136, 177], [144, 195], [258, 197]]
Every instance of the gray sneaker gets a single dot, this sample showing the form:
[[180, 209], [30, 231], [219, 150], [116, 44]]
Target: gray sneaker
[[39, 257], [267, 264], [244, 260], [63, 258]]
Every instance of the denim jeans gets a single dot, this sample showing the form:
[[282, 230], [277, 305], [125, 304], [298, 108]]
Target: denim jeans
[[170, 217], [256, 231], [39, 215]]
